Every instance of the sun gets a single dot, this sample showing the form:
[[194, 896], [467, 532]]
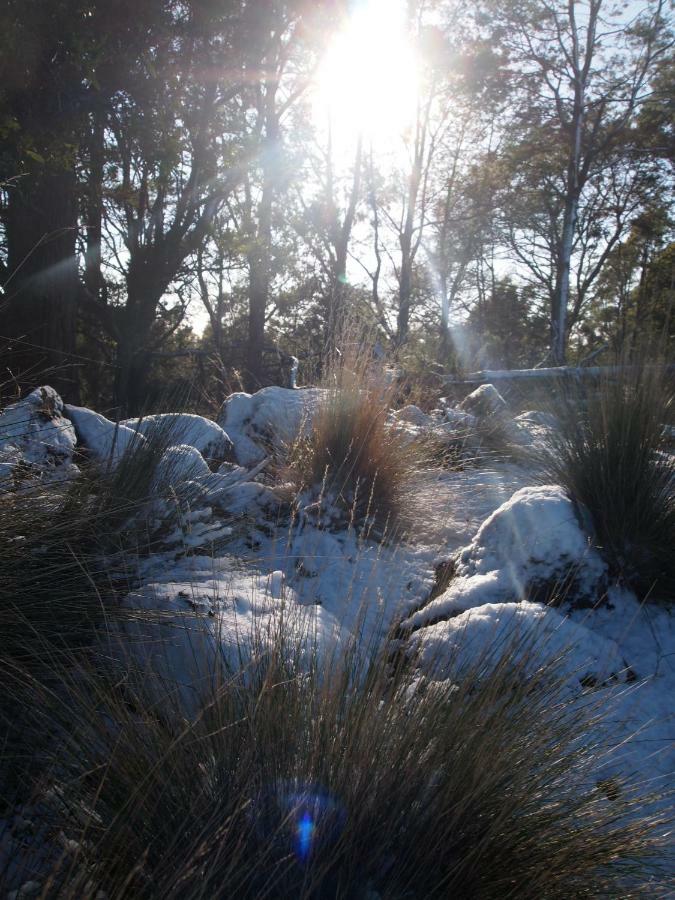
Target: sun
[[367, 82]]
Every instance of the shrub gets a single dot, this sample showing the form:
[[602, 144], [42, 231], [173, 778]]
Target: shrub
[[353, 463], [341, 783], [609, 454]]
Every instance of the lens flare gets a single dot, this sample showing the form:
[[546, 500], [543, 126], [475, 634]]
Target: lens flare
[[304, 837]]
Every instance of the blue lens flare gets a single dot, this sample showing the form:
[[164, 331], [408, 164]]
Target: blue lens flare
[[305, 830]]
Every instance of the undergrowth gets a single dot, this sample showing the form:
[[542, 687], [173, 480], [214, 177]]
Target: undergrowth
[[330, 780], [609, 452], [352, 464]]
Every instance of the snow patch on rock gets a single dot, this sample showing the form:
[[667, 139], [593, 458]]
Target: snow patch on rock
[[105, 441], [35, 436], [269, 419], [529, 635], [531, 543], [484, 401], [187, 429]]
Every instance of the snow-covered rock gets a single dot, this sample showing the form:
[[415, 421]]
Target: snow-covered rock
[[179, 465], [35, 435], [532, 546], [267, 420], [105, 441], [537, 417], [189, 628], [484, 401], [186, 428], [529, 635], [413, 415], [455, 418]]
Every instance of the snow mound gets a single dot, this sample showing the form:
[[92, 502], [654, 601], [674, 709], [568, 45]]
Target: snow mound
[[188, 630], [530, 545], [187, 429], [267, 420], [530, 635], [105, 441], [178, 465], [35, 436]]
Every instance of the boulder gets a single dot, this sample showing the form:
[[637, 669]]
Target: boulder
[[484, 401], [186, 429], [413, 415], [532, 546], [267, 421], [106, 442], [36, 438], [178, 466]]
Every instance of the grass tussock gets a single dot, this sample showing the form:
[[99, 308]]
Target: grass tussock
[[353, 464], [66, 546], [609, 452], [345, 781]]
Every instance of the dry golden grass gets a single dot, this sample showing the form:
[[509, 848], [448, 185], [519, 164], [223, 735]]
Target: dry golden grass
[[353, 463]]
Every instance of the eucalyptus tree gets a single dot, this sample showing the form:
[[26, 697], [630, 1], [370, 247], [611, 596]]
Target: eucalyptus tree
[[580, 72]]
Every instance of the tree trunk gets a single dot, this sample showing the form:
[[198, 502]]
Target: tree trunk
[[133, 334], [37, 313]]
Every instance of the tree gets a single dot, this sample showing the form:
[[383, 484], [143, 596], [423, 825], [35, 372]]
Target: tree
[[581, 75], [44, 60]]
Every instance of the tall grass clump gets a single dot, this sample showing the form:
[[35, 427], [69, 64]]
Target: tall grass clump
[[332, 781], [609, 452], [353, 464], [65, 546], [69, 550]]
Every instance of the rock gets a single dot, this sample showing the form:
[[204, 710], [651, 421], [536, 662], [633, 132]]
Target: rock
[[268, 420], [457, 419], [529, 635], [187, 429], [532, 546], [178, 466], [537, 417], [484, 401], [36, 438], [106, 442], [413, 415]]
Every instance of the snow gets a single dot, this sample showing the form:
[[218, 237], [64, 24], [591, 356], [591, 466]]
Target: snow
[[270, 418], [234, 570], [106, 441], [532, 543], [413, 415], [186, 428], [35, 435], [529, 634], [179, 465]]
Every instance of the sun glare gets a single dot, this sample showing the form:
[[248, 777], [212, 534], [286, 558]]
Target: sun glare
[[367, 81]]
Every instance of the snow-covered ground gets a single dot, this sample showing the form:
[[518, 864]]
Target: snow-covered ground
[[233, 565]]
